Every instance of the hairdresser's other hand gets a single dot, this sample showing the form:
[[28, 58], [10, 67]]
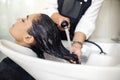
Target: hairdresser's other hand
[[58, 19]]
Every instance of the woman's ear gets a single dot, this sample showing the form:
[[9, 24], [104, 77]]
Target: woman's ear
[[28, 39]]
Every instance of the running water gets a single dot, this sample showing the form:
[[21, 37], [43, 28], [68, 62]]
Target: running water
[[68, 39]]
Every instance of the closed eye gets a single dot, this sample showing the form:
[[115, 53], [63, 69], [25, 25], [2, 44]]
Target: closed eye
[[23, 20]]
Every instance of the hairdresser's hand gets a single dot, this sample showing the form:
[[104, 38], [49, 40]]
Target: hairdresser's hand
[[78, 40], [58, 19], [76, 49]]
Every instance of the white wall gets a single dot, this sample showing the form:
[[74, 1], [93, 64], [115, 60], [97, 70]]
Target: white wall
[[108, 22], [10, 10], [107, 25]]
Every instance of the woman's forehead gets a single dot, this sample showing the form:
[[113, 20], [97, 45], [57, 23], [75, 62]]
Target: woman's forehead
[[33, 16]]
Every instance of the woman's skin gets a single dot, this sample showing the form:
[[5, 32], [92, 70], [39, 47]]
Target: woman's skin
[[20, 28]]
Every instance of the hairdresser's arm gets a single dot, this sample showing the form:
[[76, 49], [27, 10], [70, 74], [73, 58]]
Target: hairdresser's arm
[[86, 26], [58, 19], [52, 11], [87, 23]]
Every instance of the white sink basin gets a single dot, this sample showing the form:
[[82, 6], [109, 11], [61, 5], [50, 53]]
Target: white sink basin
[[96, 67]]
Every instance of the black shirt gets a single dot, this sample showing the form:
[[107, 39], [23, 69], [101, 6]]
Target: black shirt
[[9, 70]]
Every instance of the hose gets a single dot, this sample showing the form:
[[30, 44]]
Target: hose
[[101, 50]]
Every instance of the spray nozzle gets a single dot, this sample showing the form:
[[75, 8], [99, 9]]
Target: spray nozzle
[[64, 24]]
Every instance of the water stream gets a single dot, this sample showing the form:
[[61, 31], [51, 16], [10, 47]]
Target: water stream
[[68, 39]]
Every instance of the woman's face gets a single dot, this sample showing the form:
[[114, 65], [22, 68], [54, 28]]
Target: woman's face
[[20, 27]]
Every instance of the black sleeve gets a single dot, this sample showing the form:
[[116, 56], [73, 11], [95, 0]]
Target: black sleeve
[[9, 70]]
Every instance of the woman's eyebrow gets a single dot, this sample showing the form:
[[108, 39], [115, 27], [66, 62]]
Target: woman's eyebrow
[[27, 17]]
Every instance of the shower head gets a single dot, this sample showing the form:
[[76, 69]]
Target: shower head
[[64, 24]]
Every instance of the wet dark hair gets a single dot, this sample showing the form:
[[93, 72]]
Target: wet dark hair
[[47, 37]]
